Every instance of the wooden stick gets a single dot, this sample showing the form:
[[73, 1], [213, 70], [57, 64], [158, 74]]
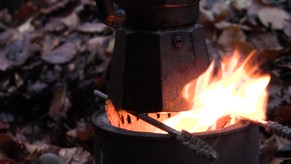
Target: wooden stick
[[189, 140], [274, 127]]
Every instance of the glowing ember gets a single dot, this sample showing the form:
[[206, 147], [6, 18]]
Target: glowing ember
[[235, 89]]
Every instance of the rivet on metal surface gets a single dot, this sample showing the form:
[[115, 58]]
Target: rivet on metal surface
[[178, 41]]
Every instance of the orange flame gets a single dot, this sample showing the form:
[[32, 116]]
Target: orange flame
[[236, 89]]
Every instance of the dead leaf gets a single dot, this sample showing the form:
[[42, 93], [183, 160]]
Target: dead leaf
[[110, 46], [272, 1], [274, 16], [281, 141], [207, 18], [9, 146], [60, 5], [240, 4], [60, 102], [61, 54], [271, 54], [36, 88], [275, 85], [9, 36], [62, 24], [224, 24], [5, 38], [26, 26], [220, 8], [4, 62], [278, 98], [283, 113], [205, 15], [26, 11], [40, 148], [232, 38], [71, 21], [5, 160], [72, 134], [17, 53], [5, 17], [244, 47], [55, 25], [6, 117], [253, 8], [92, 27], [49, 158], [95, 43], [84, 131], [287, 29], [50, 43], [4, 126], [267, 150], [13, 55], [51, 2], [231, 34], [75, 155], [265, 40]]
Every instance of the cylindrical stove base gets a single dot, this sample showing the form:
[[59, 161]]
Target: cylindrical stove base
[[238, 144]]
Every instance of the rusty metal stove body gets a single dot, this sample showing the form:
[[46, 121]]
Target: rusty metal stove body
[[159, 47], [237, 144]]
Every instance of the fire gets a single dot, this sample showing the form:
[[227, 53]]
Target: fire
[[235, 89]]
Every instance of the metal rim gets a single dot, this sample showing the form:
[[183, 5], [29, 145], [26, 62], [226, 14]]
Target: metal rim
[[100, 120]]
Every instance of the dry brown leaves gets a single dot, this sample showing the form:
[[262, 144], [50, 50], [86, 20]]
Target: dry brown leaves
[[83, 132], [9, 147], [45, 44], [60, 102], [75, 155], [238, 24], [68, 51], [53, 54], [273, 17]]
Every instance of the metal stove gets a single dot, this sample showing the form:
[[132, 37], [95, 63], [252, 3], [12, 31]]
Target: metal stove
[[159, 47]]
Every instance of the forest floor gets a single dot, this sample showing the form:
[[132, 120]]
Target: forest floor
[[53, 54]]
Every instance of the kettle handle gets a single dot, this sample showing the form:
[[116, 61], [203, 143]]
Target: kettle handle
[[110, 16]]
